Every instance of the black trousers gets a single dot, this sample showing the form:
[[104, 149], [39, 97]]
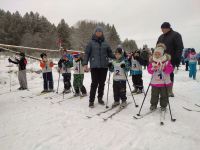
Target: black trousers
[[119, 90], [98, 76], [137, 81], [186, 65], [48, 80], [67, 80]]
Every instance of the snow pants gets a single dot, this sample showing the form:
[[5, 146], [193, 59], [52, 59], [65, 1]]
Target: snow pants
[[137, 81], [78, 83], [119, 90], [22, 79], [192, 70], [48, 80], [98, 76], [67, 80], [159, 93]]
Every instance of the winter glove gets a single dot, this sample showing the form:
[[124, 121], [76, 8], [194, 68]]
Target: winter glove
[[9, 60], [110, 65], [122, 66]]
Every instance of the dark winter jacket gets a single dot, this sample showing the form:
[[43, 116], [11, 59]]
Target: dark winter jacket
[[98, 53], [21, 63], [174, 44], [65, 65]]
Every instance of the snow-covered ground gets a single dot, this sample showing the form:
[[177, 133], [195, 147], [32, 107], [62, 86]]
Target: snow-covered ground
[[39, 123]]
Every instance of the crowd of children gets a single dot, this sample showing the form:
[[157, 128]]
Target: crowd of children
[[159, 66]]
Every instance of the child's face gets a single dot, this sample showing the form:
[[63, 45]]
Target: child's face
[[45, 58], [76, 58], [157, 55], [118, 56]]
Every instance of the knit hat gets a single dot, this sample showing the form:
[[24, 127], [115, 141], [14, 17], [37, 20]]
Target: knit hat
[[192, 50], [99, 29], [119, 50], [76, 54], [43, 54], [22, 54], [166, 25]]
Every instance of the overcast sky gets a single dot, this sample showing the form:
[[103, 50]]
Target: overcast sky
[[134, 19]]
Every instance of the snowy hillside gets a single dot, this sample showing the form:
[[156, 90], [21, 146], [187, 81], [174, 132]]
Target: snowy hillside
[[32, 122]]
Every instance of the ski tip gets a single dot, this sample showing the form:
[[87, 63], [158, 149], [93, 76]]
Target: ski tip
[[173, 120], [88, 117], [161, 123], [138, 115], [105, 119]]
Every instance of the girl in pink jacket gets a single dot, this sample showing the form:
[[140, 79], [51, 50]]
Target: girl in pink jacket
[[160, 68]]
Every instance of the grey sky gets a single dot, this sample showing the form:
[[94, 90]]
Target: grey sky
[[136, 19]]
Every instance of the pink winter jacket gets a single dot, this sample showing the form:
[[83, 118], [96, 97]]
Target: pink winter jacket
[[161, 78]]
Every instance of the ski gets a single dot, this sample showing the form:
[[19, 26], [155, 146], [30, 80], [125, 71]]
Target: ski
[[101, 112], [197, 105], [162, 117], [12, 91], [54, 96], [146, 114], [189, 109], [116, 112], [27, 96]]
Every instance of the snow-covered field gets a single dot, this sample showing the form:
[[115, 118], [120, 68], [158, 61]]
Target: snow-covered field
[[32, 122]]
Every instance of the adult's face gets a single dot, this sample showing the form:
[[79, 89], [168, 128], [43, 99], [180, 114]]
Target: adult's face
[[98, 34], [165, 30]]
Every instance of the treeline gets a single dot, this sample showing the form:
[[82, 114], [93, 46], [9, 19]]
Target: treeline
[[33, 30]]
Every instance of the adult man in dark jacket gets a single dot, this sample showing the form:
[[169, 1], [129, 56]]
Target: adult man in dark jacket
[[174, 47], [98, 53]]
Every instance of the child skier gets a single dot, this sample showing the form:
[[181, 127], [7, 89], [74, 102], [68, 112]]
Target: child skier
[[21, 62], [192, 63], [136, 72], [119, 66], [46, 66], [78, 75], [65, 64], [160, 68]]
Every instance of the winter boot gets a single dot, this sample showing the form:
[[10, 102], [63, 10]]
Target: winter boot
[[100, 101], [66, 91], [135, 90], [163, 108], [115, 104], [76, 94], [20, 88], [123, 104], [51, 90], [44, 91], [84, 94], [91, 104], [139, 91], [153, 107]]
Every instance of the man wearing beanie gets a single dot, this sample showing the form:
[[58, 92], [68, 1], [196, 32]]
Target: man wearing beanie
[[174, 47], [98, 53]]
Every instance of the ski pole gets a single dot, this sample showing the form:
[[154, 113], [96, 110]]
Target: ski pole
[[130, 88], [108, 90], [10, 76], [145, 95], [170, 111], [58, 82]]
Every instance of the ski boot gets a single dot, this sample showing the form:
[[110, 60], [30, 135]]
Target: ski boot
[[115, 104], [153, 107], [91, 104], [100, 101], [123, 104]]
